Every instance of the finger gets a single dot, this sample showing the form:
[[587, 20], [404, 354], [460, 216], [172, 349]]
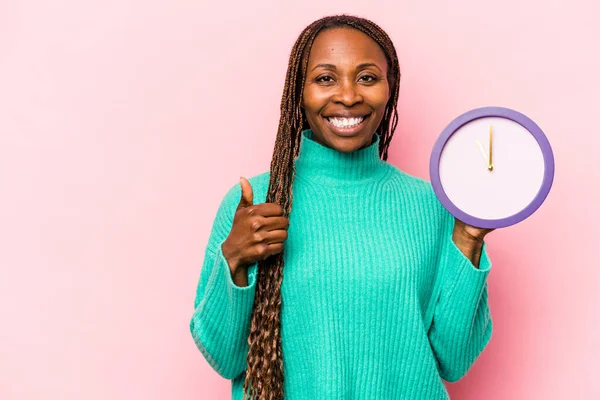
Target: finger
[[264, 250], [274, 248], [273, 223], [276, 236], [247, 194], [268, 209]]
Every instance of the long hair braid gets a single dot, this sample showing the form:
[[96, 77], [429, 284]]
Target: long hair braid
[[264, 372]]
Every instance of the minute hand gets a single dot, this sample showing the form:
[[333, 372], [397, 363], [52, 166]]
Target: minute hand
[[491, 164]]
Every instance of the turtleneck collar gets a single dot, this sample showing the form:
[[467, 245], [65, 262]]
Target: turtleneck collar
[[322, 164]]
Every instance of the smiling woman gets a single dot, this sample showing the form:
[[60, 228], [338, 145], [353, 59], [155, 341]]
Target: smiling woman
[[343, 101], [378, 300]]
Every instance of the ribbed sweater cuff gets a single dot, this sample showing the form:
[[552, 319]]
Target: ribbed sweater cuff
[[221, 322], [460, 274], [224, 299]]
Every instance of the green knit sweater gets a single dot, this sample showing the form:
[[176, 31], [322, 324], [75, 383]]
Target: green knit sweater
[[377, 300]]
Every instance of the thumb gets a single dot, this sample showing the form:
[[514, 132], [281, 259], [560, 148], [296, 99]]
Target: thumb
[[247, 194]]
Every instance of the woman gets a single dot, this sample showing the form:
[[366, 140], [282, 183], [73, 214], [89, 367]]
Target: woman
[[385, 293]]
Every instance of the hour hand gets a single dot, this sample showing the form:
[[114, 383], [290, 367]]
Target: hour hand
[[482, 151]]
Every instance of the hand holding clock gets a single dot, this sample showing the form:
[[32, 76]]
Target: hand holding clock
[[483, 200], [469, 239], [469, 233]]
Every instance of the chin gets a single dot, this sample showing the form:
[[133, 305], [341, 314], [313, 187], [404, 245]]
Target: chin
[[349, 144], [340, 140]]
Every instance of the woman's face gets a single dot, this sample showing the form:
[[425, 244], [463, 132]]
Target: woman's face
[[346, 89]]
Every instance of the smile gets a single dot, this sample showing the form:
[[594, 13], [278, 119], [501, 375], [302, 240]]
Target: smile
[[345, 122], [346, 126]]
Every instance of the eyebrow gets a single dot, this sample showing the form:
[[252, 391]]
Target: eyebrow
[[360, 66]]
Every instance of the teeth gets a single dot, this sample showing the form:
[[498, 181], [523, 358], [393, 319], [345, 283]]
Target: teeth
[[345, 122]]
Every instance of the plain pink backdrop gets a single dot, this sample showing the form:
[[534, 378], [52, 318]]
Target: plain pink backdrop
[[123, 123]]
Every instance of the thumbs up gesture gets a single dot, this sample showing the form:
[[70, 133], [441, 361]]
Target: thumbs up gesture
[[258, 231]]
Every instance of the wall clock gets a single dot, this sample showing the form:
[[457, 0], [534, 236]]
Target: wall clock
[[491, 167]]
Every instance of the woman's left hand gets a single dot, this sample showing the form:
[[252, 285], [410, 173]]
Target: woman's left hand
[[469, 232]]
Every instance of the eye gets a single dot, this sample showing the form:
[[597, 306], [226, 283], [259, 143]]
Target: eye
[[322, 79], [371, 78]]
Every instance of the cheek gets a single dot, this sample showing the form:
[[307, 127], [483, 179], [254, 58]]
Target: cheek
[[380, 97], [313, 101]]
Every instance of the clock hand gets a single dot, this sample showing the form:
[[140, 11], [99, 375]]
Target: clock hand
[[490, 165], [482, 151]]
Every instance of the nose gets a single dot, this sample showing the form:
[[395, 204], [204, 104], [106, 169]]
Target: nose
[[347, 93]]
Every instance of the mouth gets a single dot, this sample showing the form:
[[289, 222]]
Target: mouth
[[346, 126]]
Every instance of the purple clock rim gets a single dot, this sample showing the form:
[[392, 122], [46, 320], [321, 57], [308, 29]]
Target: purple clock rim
[[482, 112]]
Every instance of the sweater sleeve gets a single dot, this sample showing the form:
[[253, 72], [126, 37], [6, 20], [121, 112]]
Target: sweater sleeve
[[461, 323], [220, 324]]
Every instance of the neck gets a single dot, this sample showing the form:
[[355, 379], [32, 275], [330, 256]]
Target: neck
[[321, 164]]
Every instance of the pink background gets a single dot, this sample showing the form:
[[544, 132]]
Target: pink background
[[123, 123]]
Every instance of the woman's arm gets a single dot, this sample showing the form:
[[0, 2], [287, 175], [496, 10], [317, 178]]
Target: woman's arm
[[220, 324], [461, 324]]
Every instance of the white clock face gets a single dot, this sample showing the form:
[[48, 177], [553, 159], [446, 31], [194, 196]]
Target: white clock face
[[518, 168]]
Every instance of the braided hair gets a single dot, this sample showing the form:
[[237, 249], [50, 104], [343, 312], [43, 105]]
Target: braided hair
[[264, 372]]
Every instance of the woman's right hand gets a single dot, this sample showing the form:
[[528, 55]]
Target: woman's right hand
[[258, 231]]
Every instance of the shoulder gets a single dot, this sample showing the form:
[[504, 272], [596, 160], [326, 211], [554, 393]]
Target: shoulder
[[259, 183], [412, 183], [417, 195], [230, 201]]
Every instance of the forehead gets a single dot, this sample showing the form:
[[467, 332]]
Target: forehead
[[345, 46]]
